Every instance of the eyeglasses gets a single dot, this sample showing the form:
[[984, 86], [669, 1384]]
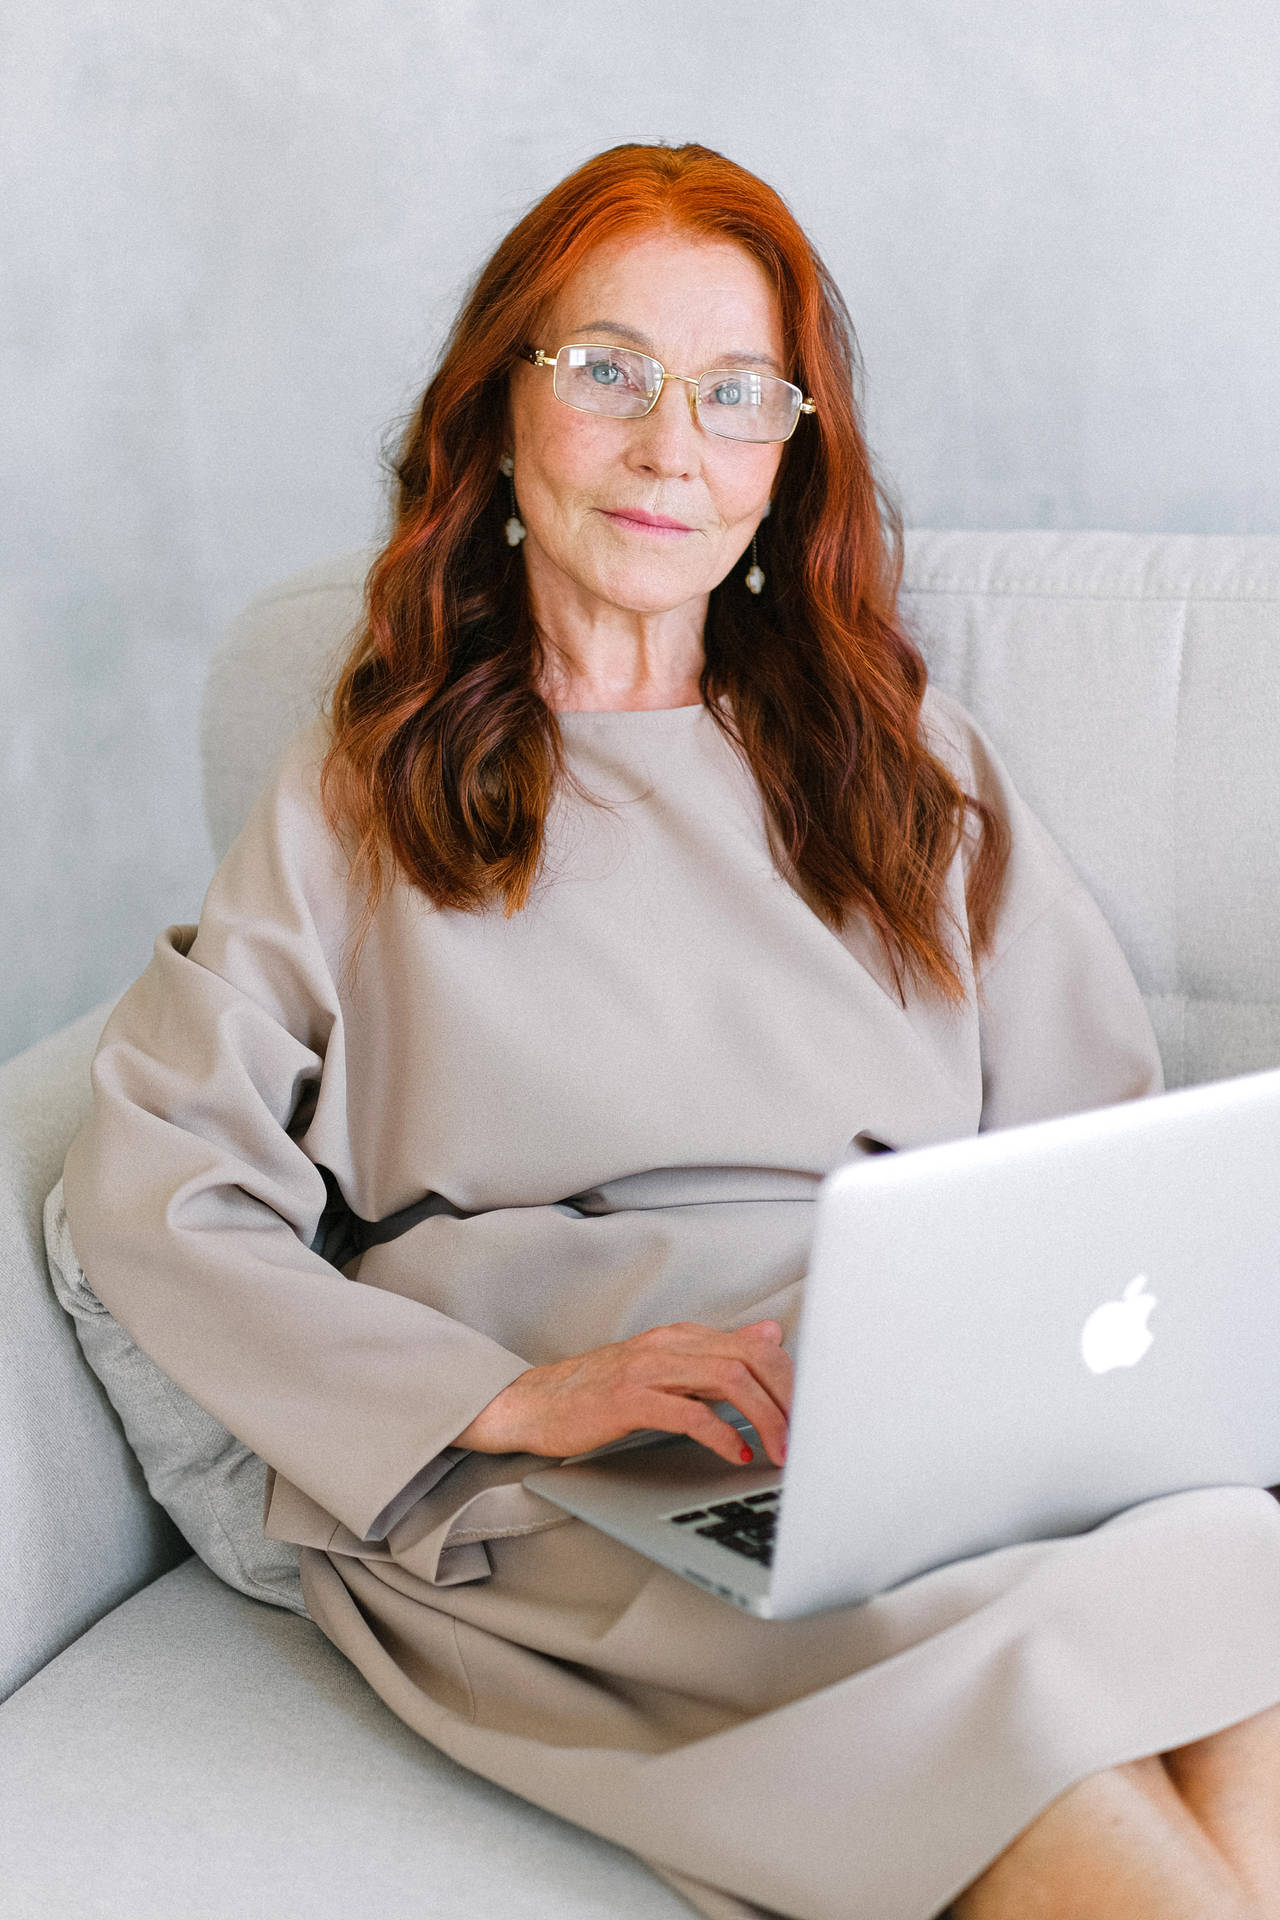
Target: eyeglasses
[[730, 401]]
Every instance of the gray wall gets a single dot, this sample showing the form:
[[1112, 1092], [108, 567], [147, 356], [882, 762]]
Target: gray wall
[[233, 232]]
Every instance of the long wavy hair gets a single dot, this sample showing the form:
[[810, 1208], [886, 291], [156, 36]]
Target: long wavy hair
[[444, 756]]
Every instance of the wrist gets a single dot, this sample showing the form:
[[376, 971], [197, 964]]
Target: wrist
[[492, 1429]]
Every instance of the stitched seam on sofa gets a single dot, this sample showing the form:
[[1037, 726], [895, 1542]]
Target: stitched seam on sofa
[[1260, 591], [1184, 994], [1172, 828], [1252, 590], [1229, 1000], [1261, 588]]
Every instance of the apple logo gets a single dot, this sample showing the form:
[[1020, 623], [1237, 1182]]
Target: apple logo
[[1116, 1334]]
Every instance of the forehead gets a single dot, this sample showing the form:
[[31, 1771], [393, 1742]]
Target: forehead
[[676, 292]]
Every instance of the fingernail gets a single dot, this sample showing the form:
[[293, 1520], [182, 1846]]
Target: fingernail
[[782, 1452], [746, 1456]]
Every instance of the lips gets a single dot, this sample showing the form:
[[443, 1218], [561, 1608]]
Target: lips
[[637, 517]]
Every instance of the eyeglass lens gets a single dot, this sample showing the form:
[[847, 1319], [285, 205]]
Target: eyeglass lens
[[736, 404]]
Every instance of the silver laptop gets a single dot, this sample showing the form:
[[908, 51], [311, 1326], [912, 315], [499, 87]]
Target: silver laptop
[[1005, 1338]]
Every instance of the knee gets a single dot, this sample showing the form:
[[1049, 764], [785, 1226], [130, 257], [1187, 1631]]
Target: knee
[[1121, 1840]]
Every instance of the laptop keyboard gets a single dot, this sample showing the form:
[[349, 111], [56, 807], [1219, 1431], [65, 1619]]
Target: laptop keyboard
[[745, 1526]]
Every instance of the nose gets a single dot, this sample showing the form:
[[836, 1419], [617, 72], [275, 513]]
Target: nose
[[667, 440]]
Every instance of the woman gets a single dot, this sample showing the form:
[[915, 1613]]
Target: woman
[[625, 889]]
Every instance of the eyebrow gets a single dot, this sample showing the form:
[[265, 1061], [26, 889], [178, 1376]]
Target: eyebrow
[[734, 358]]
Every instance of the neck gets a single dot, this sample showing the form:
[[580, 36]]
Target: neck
[[599, 657]]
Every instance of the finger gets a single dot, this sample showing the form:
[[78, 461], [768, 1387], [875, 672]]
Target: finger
[[770, 1362], [759, 1344], [725, 1377], [690, 1364], [677, 1413], [677, 1333], [691, 1358], [767, 1359], [743, 1390]]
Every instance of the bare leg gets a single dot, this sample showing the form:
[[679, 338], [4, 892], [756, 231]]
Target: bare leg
[[1125, 1844], [1231, 1785]]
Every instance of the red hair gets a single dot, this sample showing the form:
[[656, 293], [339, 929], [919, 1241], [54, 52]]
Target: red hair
[[445, 756]]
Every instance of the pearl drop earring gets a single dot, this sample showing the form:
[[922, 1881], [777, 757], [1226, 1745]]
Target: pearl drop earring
[[515, 528], [755, 572]]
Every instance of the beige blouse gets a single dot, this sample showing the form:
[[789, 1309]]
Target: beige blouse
[[617, 1103]]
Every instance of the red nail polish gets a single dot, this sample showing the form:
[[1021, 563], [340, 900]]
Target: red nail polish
[[746, 1456]]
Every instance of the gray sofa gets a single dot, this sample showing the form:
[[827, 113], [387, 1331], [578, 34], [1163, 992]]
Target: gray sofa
[[169, 1747]]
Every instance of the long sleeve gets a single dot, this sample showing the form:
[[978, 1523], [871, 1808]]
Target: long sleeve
[[193, 1192], [1063, 1025]]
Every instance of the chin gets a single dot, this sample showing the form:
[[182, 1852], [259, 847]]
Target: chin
[[647, 590]]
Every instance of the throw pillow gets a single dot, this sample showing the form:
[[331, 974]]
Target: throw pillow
[[206, 1480]]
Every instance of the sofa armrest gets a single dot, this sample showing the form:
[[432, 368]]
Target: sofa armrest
[[79, 1531]]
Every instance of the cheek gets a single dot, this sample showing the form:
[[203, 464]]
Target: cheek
[[558, 494], [744, 486], [564, 453]]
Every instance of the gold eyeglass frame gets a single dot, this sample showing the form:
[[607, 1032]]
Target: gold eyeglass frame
[[537, 358]]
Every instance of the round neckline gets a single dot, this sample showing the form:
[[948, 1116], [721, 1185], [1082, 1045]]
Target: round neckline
[[652, 715]]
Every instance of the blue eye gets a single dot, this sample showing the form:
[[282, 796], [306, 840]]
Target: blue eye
[[727, 394], [605, 373]]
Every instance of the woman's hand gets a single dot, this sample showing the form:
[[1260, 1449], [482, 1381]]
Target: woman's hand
[[663, 1378]]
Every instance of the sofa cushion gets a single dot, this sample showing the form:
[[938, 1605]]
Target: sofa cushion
[[198, 1754], [207, 1481]]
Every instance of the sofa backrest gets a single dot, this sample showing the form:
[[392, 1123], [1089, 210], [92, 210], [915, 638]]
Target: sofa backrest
[[1130, 681]]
